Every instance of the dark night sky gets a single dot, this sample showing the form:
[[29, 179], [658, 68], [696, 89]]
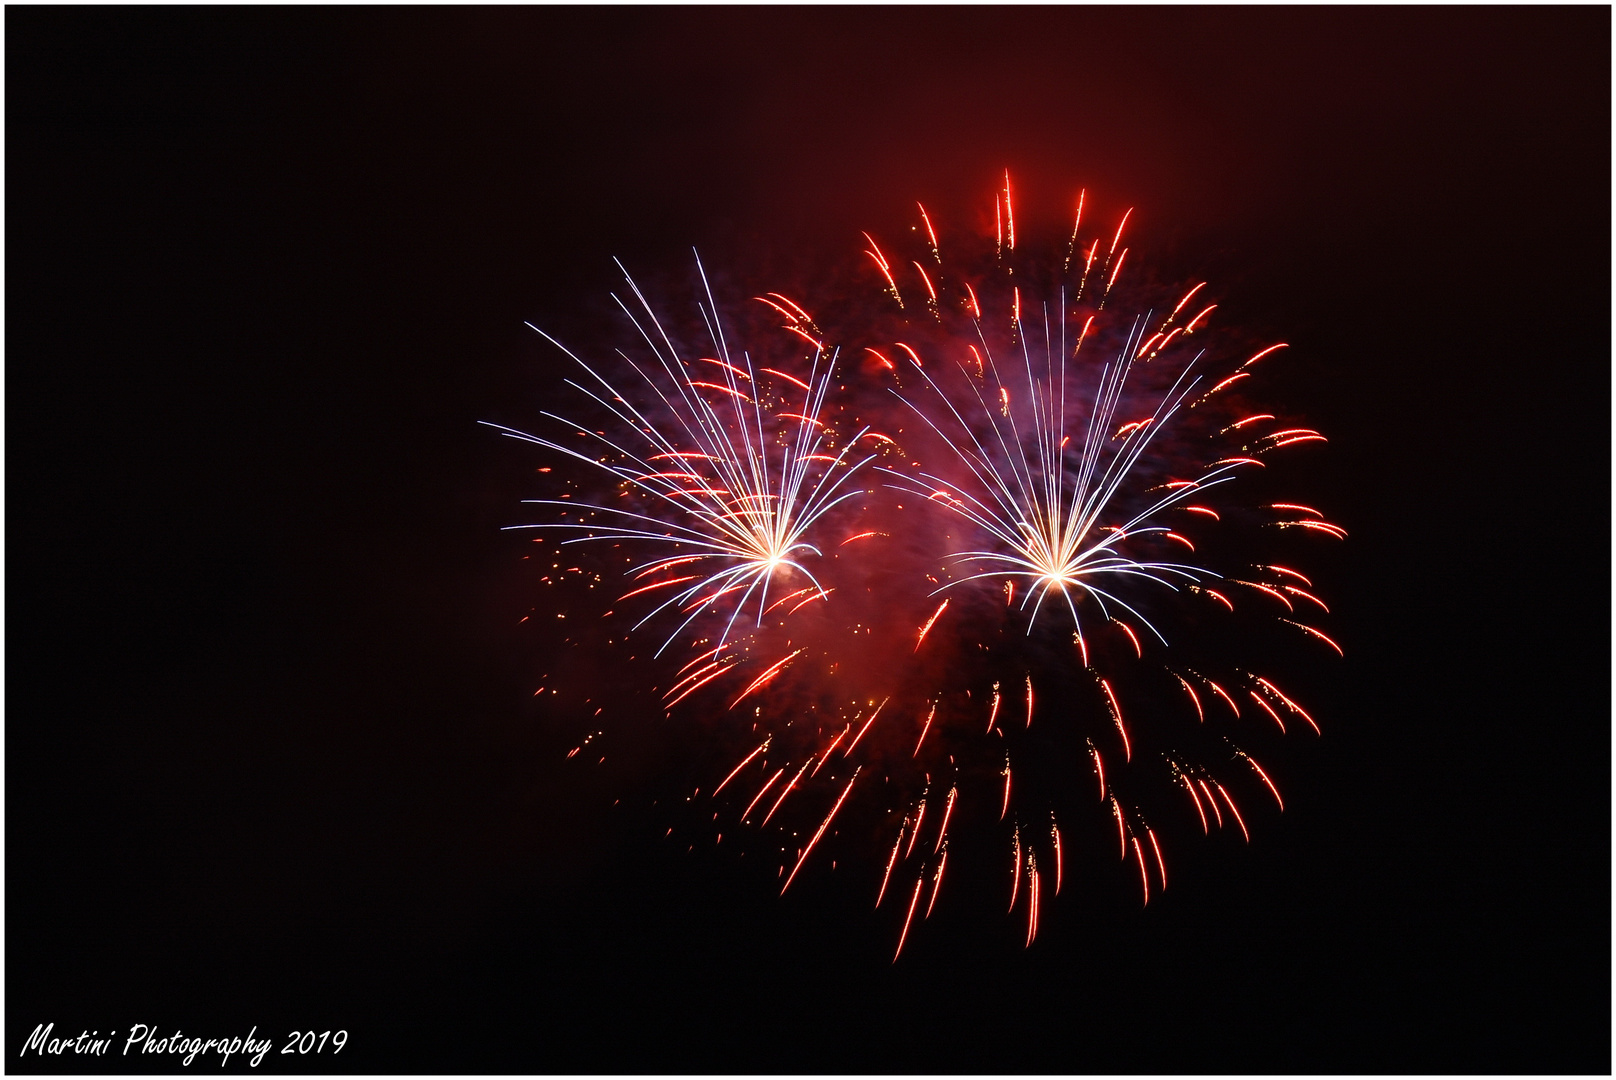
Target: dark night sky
[[271, 752]]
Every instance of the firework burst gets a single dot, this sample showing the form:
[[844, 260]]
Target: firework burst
[[1026, 626], [1045, 511], [732, 482]]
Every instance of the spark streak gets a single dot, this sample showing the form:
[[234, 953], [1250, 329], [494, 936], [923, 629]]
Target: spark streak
[[907, 919], [924, 630], [822, 827]]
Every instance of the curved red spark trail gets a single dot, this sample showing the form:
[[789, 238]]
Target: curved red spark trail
[[931, 234], [1218, 690], [930, 716], [907, 919], [1250, 761], [1133, 639], [891, 862], [1189, 787], [924, 630], [914, 834], [936, 884], [1295, 708], [1015, 871], [1116, 716], [1161, 865], [1318, 634], [1032, 900], [862, 536], [764, 678], [1305, 595], [886, 268], [1195, 699], [788, 790], [1265, 352], [764, 745], [766, 786], [822, 827], [789, 378], [830, 750], [788, 598], [948, 811], [1235, 810], [1268, 709], [1217, 815], [849, 751]]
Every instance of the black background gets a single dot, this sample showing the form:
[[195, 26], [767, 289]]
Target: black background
[[271, 753]]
